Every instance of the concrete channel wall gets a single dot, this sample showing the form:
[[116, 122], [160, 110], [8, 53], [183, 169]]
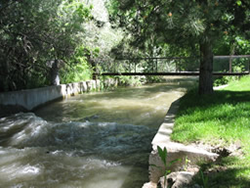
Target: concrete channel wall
[[28, 100], [175, 151]]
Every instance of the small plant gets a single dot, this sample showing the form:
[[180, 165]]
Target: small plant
[[204, 180], [163, 156], [187, 161], [221, 81]]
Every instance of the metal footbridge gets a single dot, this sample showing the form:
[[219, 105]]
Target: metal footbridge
[[234, 65]]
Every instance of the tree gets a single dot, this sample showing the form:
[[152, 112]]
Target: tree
[[35, 32], [185, 23]]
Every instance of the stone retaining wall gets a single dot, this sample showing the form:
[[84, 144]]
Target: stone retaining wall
[[27, 100]]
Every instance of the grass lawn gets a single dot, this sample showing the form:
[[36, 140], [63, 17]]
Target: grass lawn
[[222, 118]]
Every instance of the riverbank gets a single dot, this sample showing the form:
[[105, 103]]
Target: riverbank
[[30, 99], [181, 171], [221, 120]]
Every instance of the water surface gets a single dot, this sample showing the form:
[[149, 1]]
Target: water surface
[[92, 140]]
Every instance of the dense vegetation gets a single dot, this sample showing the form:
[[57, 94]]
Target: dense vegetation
[[83, 36], [220, 119], [35, 34], [195, 26]]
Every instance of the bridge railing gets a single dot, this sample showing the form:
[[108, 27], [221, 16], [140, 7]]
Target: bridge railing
[[232, 64], [160, 65]]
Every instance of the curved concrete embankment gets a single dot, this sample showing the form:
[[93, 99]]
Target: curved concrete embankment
[[27, 100], [175, 150]]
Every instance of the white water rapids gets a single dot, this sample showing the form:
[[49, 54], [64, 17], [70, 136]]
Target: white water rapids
[[95, 140]]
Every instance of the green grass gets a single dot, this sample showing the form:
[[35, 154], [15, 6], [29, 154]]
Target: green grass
[[224, 118]]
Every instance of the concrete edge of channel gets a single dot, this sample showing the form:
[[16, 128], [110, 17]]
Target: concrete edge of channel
[[31, 99], [175, 150]]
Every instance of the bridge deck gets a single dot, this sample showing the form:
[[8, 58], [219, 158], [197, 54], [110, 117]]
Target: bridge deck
[[234, 65], [183, 73]]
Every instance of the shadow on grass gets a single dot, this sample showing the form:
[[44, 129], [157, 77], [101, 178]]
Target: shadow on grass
[[227, 107], [223, 175], [193, 100]]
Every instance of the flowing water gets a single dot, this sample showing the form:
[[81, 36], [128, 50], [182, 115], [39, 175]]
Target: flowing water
[[94, 140]]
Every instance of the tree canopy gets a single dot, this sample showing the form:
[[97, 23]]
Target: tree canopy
[[35, 32], [195, 24], [78, 33]]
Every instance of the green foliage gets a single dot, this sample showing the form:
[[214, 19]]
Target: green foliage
[[232, 45], [221, 81], [79, 67], [186, 21], [35, 33], [129, 80], [243, 45], [204, 180], [36, 79], [75, 73], [154, 79], [186, 24], [163, 154]]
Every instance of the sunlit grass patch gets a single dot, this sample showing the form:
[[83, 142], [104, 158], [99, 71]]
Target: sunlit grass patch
[[243, 84], [224, 118]]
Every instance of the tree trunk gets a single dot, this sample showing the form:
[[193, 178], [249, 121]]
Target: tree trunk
[[93, 65], [206, 68], [55, 79]]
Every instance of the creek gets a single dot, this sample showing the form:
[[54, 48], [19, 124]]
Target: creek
[[93, 140]]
